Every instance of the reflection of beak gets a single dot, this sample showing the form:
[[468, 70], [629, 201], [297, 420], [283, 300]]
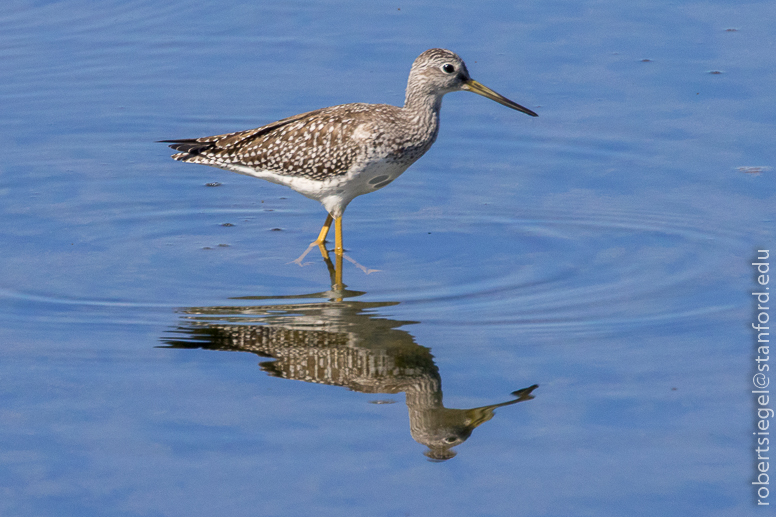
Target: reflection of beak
[[480, 415], [480, 89]]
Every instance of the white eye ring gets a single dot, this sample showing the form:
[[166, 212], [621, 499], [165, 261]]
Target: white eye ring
[[448, 68]]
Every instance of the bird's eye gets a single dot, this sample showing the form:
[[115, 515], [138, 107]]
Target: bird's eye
[[448, 68]]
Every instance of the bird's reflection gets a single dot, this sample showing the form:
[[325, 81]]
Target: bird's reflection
[[340, 342]]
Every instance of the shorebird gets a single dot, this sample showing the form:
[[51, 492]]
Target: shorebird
[[334, 154]]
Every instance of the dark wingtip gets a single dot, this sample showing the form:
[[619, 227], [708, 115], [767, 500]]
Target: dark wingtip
[[190, 146]]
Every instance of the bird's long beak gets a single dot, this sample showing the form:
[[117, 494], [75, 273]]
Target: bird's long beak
[[480, 89]]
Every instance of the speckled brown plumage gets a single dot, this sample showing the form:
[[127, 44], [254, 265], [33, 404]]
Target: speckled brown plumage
[[334, 154], [316, 145]]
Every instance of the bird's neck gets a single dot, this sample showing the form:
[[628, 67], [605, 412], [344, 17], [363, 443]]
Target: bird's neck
[[420, 101], [422, 113]]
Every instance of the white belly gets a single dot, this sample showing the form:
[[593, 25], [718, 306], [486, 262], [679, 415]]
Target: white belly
[[336, 192]]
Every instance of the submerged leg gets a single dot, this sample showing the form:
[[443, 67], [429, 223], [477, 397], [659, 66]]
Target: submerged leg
[[338, 285], [335, 274]]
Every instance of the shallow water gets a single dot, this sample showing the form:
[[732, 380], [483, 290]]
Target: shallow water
[[601, 251]]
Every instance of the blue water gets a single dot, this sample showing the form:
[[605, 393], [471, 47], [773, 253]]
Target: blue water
[[601, 251]]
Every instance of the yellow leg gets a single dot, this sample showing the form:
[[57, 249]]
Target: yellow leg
[[320, 241], [324, 230], [338, 236]]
